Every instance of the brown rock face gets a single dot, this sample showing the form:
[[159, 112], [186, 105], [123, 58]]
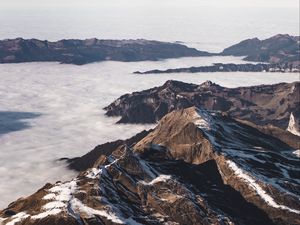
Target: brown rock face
[[262, 105], [195, 167]]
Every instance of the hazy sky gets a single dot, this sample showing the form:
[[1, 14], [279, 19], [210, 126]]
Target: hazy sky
[[5, 4], [223, 21]]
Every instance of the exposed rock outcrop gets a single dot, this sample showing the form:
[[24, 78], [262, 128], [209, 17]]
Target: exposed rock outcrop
[[261, 105], [195, 167], [90, 50]]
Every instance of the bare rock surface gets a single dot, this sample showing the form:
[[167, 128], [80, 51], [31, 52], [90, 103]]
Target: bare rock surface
[[263, 105], [195, 167]]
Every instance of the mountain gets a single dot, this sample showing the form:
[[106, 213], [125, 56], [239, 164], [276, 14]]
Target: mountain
[[228, 67], [281, 48], [90, 50], [195, 167], [276, 105]]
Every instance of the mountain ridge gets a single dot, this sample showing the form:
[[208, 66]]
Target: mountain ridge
[[263, 105], [281, 49], [79, 52], [192, 181]]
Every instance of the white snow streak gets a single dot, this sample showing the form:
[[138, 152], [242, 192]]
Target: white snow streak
[[77, 206], [292, 126], [255, 186], [160, 178], [18, 218], [297, 153]]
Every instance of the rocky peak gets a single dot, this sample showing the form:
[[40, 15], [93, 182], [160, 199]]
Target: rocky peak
[[177, 86], [195, 167], [262, 105]]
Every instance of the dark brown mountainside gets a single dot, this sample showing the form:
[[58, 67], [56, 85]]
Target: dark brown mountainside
[[276, 105]]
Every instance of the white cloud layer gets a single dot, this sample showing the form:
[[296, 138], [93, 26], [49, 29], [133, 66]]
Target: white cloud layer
[[70, 100]]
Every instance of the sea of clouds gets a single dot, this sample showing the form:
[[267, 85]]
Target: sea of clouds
[[51, 110]]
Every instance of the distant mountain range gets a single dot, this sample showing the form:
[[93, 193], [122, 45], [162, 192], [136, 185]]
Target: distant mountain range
[[281, 52], [280, 49], [222, 156], [91, 50], [228, 67], [195, 168]]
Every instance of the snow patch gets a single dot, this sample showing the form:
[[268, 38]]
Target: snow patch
[[93, 173], [202, 120], [61, 194], [297, 153], [160, 178], [49, 196], [292, 127], [55, 204], [255, 186], [77, 205], [18, 218], [42, 215], [96, 172], [64, 191]]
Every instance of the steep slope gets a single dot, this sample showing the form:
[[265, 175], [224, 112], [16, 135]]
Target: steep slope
[[195, 167], [90, 50], [276, 105], [281, 48]]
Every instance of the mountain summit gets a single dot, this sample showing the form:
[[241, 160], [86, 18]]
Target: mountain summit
[[195, 167]]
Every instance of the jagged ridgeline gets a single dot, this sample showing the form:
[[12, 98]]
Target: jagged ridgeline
[[276, 105], [272, 109], [195, 167]]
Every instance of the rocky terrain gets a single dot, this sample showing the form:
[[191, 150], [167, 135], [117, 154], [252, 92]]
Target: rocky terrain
[[272, 109], [195, 167], [229, 67], [90, 50], [281, 49], [276, 105]]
